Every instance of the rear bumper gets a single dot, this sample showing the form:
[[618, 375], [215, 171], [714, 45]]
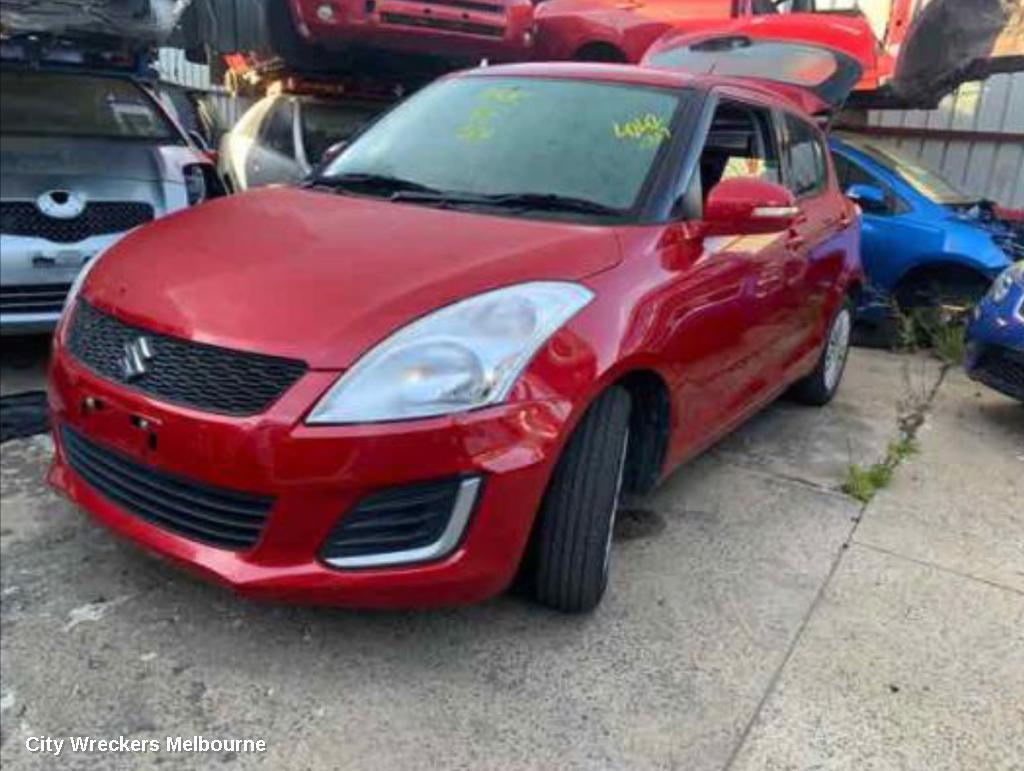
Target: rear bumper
[[317, 475]]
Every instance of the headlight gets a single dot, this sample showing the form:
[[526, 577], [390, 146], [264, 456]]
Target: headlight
[[76, 285], [1002, 285], [461, 357]]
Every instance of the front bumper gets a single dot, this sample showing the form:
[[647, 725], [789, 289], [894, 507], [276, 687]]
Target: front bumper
[[995, 345], [316, 475], [410, 27], [35, 275]]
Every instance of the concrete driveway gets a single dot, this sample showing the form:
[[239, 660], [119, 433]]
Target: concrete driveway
[[757, 618]]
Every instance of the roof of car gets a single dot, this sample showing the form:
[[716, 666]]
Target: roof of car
[[637, 75]]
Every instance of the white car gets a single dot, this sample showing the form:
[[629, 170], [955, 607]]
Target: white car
[[283, 136], [87, 156]]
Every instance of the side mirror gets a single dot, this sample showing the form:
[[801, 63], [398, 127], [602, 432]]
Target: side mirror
[[748, 206], [869, 197]]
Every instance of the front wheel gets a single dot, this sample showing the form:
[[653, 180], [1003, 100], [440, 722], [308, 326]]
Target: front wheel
[[571, 551], [820, 386]]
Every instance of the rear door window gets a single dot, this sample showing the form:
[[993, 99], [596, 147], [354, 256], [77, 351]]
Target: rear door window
[[807, 170]]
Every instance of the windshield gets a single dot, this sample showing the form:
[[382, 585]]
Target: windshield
[[325, 124], [74, 105], [489, 136], [927, 182]]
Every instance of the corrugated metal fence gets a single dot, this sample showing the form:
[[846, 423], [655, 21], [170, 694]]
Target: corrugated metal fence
[[975, 138]]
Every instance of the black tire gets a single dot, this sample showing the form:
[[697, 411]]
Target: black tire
[[568, 565], [818, 388]]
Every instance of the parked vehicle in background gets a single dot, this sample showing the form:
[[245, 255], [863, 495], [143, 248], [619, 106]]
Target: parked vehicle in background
[[924, 242], [524, 290], [86, 157], [284, 135], [497, 30], [606, 30], [995, 335]]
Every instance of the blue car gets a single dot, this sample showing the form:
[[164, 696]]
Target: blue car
[[923, 242], [995, 335]]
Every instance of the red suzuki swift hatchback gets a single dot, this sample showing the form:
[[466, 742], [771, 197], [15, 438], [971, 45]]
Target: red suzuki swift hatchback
[[438, 364]]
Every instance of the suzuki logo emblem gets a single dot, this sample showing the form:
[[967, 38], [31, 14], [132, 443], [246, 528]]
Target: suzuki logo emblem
[[61, 204], [137, 354]]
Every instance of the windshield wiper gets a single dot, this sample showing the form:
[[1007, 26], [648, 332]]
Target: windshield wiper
[[398, 189], [527, 201], [381, 183], [550, 202]]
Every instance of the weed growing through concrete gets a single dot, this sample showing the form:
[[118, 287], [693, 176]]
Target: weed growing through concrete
[[940, 329], [919, 389], [863, 483]]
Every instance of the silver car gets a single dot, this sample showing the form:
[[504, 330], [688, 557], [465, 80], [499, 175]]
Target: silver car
[[283, 136], [85, 158]]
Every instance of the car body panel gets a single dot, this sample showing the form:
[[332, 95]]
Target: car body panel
[[918, 233], [278, 236], [995, 342], [723, 322], [820, 78], [500, 30], [640, 28]]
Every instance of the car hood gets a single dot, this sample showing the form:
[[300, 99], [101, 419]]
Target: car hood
[[322, 277], [63, 158]]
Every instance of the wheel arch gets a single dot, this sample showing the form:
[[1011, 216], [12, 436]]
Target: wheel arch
[[942, 267], [600, 51]]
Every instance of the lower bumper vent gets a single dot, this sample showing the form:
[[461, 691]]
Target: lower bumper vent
[[403, 525], [211, 515]]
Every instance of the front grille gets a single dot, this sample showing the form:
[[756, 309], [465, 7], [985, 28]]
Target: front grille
[[33, 298], [213, 515], [469, 5], [395, 520], [1001, 369], [449, 25], [204, 377], [23, 218]]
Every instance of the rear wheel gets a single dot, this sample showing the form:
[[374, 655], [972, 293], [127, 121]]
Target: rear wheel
[[820, 386], [571, 550]]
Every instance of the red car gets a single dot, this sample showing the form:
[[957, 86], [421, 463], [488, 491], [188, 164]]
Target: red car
[[499, 30], [436, 365], [612, 31]]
